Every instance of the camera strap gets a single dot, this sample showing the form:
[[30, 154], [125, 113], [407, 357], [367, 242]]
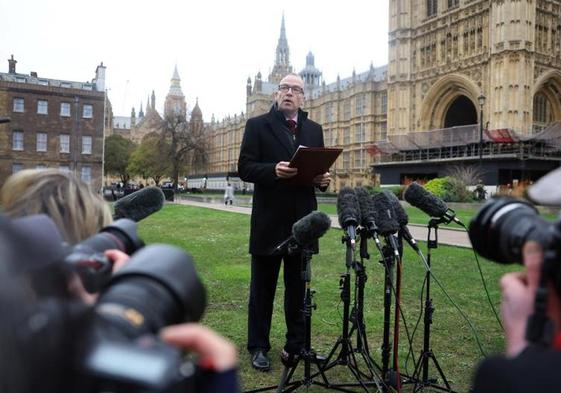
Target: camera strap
[[540, 328]]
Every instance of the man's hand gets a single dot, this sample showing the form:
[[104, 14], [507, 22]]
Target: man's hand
[[322, 180], [283, 171], [216, 353]]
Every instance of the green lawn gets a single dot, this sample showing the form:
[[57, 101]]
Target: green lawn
[[218, 241]]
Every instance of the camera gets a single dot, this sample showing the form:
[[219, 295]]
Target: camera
[[156, 288], [503, 225], [56, 343], [87, 259]]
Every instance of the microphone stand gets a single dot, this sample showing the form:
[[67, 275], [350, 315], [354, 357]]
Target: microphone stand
[[427, 353], [389, 257], [357, 313], [346, 355], [307, 355]]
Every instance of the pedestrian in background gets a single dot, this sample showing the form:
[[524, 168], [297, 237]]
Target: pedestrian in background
[[229, 194]]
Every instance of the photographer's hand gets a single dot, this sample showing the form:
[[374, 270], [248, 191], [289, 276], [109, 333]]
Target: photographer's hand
[[215, 352], [518, 294], [117, 258]]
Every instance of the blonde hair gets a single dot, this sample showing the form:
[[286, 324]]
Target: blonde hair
[[77, 211]]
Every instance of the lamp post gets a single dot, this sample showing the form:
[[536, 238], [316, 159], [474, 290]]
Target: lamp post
[[481, 100]]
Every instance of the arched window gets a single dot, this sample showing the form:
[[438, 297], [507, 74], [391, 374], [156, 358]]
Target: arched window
[[431, 7], [542, 112]]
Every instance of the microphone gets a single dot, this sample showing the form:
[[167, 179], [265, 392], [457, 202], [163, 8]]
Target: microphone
[[402, 219], [310, 228], [140, 204], [429, 203], [348, 212], [366, 210], [307, 230], [384, 215]]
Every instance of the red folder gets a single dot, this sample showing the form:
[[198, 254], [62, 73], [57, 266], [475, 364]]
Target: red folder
[[311, 161]]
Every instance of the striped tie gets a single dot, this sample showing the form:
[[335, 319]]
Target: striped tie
[[292, 126]]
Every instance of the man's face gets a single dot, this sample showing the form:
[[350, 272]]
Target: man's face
[[287, 99]]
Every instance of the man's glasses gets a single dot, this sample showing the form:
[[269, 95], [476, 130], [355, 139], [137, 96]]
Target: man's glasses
[[295, 89]]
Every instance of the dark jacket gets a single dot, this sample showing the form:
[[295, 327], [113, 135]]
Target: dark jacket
[[536, 369], [276, 206]]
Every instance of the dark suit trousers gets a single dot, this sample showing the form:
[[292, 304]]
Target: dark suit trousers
[[264, 276]]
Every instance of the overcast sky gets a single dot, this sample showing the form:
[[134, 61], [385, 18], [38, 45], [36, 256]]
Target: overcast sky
[[216, 44]]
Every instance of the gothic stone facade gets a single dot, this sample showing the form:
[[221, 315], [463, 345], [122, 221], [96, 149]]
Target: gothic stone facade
[[444, 54]]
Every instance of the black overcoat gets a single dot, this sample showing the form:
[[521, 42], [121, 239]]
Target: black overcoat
[[276, 206]]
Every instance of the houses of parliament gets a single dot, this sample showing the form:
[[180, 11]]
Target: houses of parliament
[[455, 68]]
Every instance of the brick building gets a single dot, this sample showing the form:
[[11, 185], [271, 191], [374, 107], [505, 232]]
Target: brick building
[[54, 124]]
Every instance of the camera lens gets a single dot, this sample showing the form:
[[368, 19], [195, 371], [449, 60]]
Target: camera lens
[[502, 226], [120, 235], [159, 286]]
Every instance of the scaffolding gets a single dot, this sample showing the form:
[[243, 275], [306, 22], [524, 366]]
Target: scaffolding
[[464, 142]]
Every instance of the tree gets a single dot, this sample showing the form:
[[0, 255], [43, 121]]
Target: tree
[[188, 145], [151, 158], [116, 158]]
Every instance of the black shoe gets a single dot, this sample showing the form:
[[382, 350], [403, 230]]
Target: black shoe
[[260, 361]]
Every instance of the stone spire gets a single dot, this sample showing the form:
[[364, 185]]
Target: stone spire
[[282, 60], [175, 100], [175, 87]]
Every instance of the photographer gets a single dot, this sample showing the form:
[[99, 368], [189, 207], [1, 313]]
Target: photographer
[[525, 367], [531, 303], [49, 337]]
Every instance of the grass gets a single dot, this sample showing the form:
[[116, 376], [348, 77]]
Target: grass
[[219, 240]]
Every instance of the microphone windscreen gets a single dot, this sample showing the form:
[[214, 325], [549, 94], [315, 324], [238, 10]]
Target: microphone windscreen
[[347, 208], [310, 228], [384, 214], [366, 207], [400, 214], [429, 203], [140, 204]]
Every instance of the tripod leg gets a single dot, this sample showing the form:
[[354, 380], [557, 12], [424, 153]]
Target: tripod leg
[[431, 355], [283, 379]]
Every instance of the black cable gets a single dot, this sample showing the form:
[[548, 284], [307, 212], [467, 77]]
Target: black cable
[[472, 328], [401, 312], [485, 286], [410, 353]]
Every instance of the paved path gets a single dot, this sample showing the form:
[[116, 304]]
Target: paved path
[[451, 237]]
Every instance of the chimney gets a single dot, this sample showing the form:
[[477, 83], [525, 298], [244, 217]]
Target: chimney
[[99, 79], [12, 65]]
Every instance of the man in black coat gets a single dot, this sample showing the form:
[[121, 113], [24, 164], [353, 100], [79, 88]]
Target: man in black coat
[[269, 142]]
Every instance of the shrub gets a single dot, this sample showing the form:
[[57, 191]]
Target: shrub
[[449, 189], [397, 190]]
